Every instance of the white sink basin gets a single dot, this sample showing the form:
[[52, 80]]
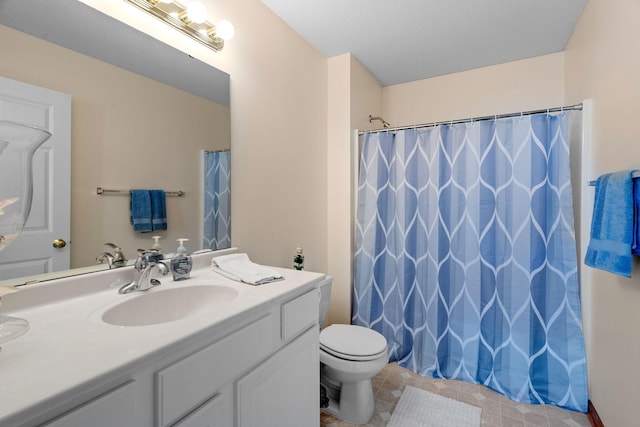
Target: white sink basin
[[160, 305]]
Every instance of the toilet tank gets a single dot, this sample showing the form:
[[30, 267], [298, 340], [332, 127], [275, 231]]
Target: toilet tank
[[325, 297]]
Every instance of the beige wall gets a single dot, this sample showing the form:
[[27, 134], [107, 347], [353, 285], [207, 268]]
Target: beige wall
[[127, 132], [279, 134], [602, 64], [515, 86], [346, 75], [338, 190]]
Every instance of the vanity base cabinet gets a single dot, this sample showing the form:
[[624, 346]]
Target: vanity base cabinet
[[279, 392], [272, 364], [260, 368]]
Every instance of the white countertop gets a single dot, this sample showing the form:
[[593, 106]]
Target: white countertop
[[68, 345]]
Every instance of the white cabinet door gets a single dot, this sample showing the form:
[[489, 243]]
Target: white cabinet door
[[284, 390], [216, 412], [32, 252], [115, 408], [184, 385]]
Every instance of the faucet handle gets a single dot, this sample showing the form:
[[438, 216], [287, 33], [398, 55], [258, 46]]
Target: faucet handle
[[105, 257], [153, 255], [145, 256], [141, 260], [119, 260]]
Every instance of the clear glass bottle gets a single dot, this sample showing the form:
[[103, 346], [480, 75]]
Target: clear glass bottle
[[181, 262], [18, 142], [11, 327], [298, 260]]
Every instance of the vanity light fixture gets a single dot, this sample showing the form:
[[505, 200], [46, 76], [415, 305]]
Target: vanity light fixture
[[191, 19]]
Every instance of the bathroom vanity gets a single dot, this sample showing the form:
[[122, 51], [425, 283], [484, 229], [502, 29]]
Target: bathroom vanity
[[207, 351]]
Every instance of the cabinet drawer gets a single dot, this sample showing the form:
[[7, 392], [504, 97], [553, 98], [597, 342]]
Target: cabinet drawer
[[114, 408], [300, 313], [193, 380]]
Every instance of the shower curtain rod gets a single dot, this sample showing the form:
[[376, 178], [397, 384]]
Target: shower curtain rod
[[216, 151], [477, 119]]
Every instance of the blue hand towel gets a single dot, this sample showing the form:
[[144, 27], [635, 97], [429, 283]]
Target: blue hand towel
[[635, 247], [158, 210], [141, 210], [612, 224]]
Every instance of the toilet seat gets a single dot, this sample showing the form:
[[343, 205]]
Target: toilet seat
[[351, 342]]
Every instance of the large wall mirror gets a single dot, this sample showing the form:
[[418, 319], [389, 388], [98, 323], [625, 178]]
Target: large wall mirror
[[142, 113]]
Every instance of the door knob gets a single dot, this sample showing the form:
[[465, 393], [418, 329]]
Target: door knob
[[59, 243]]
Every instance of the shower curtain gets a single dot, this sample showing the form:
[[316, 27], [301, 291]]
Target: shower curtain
[[466, 255], [217, 200]]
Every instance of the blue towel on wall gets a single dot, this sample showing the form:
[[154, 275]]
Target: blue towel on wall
[[141, 210], [612, 224], [635, 247], [158, 210]]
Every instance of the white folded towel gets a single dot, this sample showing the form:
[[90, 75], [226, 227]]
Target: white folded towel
[[240, 268]]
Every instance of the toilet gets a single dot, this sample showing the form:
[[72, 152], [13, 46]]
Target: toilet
[[349, 357]]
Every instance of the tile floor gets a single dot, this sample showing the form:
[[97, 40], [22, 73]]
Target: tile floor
[[497, 410]]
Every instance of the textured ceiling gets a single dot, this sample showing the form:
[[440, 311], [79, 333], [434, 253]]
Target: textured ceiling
[[405, 40]]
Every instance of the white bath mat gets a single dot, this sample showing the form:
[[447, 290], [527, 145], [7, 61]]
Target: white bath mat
[[419, 408]]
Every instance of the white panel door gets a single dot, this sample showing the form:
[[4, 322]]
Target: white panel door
[[32, 252]]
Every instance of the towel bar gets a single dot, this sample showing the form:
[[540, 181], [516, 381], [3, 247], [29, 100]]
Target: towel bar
[[633, 176], [100, 191]]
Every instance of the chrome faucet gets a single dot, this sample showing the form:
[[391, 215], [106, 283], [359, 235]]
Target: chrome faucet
[[146, 262], [105, 257], [114, 261]]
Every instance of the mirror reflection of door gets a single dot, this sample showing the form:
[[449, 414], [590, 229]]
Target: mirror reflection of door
[[33, 251]]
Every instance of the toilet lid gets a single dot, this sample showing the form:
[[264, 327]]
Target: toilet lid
[[352, 342]]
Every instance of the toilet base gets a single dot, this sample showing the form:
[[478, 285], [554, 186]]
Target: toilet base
[[352, 402]]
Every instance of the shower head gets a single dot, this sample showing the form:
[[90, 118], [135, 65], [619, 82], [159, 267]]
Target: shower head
[[384, 122]]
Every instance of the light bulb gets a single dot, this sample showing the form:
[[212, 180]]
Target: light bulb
[[225, 30], [197, 12]]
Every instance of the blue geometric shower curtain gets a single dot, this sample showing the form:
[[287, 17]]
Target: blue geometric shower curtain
[[466, 255], [217, 200]]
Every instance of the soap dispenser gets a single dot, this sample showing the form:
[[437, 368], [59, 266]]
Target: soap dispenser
[[156, 244], [181, 263]]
